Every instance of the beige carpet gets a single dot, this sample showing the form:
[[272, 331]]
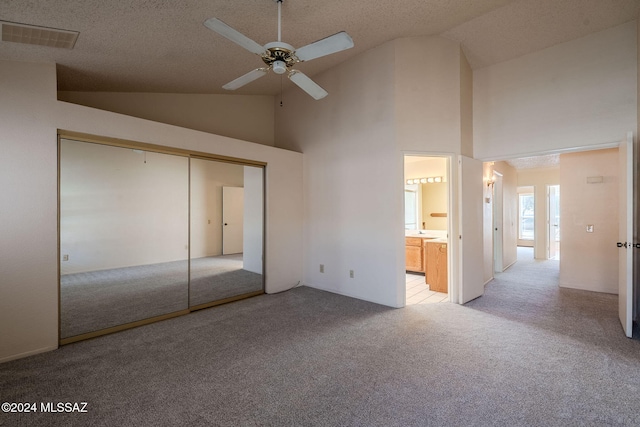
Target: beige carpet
[[525, 354]]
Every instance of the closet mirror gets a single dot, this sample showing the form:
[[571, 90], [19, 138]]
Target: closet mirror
[[124, 217], [227, 223], [146, 234]]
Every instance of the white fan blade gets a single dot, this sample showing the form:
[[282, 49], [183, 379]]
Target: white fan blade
[[307, 85], [234, 35], [247, 78], [326, 46]]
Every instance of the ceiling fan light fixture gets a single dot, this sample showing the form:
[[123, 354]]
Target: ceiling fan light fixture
[[279, 67]]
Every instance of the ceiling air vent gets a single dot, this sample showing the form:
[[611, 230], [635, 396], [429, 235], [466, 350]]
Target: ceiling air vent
[[42, 36]]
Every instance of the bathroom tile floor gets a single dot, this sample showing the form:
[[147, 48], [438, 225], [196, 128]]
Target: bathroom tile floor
[[418, 291]]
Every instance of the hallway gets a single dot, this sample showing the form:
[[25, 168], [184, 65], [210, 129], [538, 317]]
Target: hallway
[[528, 292]]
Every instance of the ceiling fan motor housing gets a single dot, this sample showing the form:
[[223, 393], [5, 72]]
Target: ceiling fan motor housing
[[279, 56]]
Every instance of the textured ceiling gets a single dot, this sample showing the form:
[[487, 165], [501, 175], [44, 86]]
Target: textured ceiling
[[162, 45], [526, 26], [546, 161]]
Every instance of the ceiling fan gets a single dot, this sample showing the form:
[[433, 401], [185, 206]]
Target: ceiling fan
[[280, 57]]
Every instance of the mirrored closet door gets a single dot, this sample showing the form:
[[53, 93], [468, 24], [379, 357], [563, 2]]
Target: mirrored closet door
[[226, 231], [146, 235], [124, 236]]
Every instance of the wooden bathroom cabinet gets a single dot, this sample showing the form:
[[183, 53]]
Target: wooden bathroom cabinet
[[425, 256]]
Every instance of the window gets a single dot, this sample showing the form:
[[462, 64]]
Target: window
[[525, 216], [410, 208]]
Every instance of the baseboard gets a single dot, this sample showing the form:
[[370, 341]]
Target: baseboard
[[611, 290], [347, 294], [28, 353], [485, 283], [505, 269]]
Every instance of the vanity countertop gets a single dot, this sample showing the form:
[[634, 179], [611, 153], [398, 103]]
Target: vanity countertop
[[430, 237]]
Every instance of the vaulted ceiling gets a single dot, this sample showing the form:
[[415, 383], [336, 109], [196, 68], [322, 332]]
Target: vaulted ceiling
[[163, 46]]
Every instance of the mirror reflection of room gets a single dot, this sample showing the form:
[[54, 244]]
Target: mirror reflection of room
[[123, 236], [226, 230], [426, 229], [147, 235]]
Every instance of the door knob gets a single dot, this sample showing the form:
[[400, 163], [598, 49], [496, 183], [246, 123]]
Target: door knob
[[620, 244]]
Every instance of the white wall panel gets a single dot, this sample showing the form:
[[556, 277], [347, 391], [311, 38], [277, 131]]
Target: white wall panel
[[574, 94]]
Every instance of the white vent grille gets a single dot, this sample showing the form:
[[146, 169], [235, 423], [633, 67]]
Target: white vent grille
[[30, 34]]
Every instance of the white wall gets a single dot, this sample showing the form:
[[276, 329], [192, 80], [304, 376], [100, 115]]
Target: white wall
[[226, 115], [428, 94], [589, 260], [353, 178], [539, 179], [466, 107], [29, 118], [28, 208], [574, 94]]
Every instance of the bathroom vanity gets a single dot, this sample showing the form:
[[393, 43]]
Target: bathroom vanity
[[428, 254]]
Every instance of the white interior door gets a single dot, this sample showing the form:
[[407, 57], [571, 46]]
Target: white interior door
[[232, 220], [553, 221], [471, 249], [498, 222], [625, 236]]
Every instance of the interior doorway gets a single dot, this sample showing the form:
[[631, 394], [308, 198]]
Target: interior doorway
[[427, 204]]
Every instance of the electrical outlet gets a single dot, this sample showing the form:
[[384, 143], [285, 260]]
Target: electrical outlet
[[351, 274], [65, 257], [590, 228], [321, 268]]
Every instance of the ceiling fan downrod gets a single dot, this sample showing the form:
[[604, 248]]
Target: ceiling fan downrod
[[279, 20]]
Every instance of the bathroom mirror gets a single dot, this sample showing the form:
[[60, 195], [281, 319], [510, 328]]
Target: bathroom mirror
[[124, 218], [426, 193]]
